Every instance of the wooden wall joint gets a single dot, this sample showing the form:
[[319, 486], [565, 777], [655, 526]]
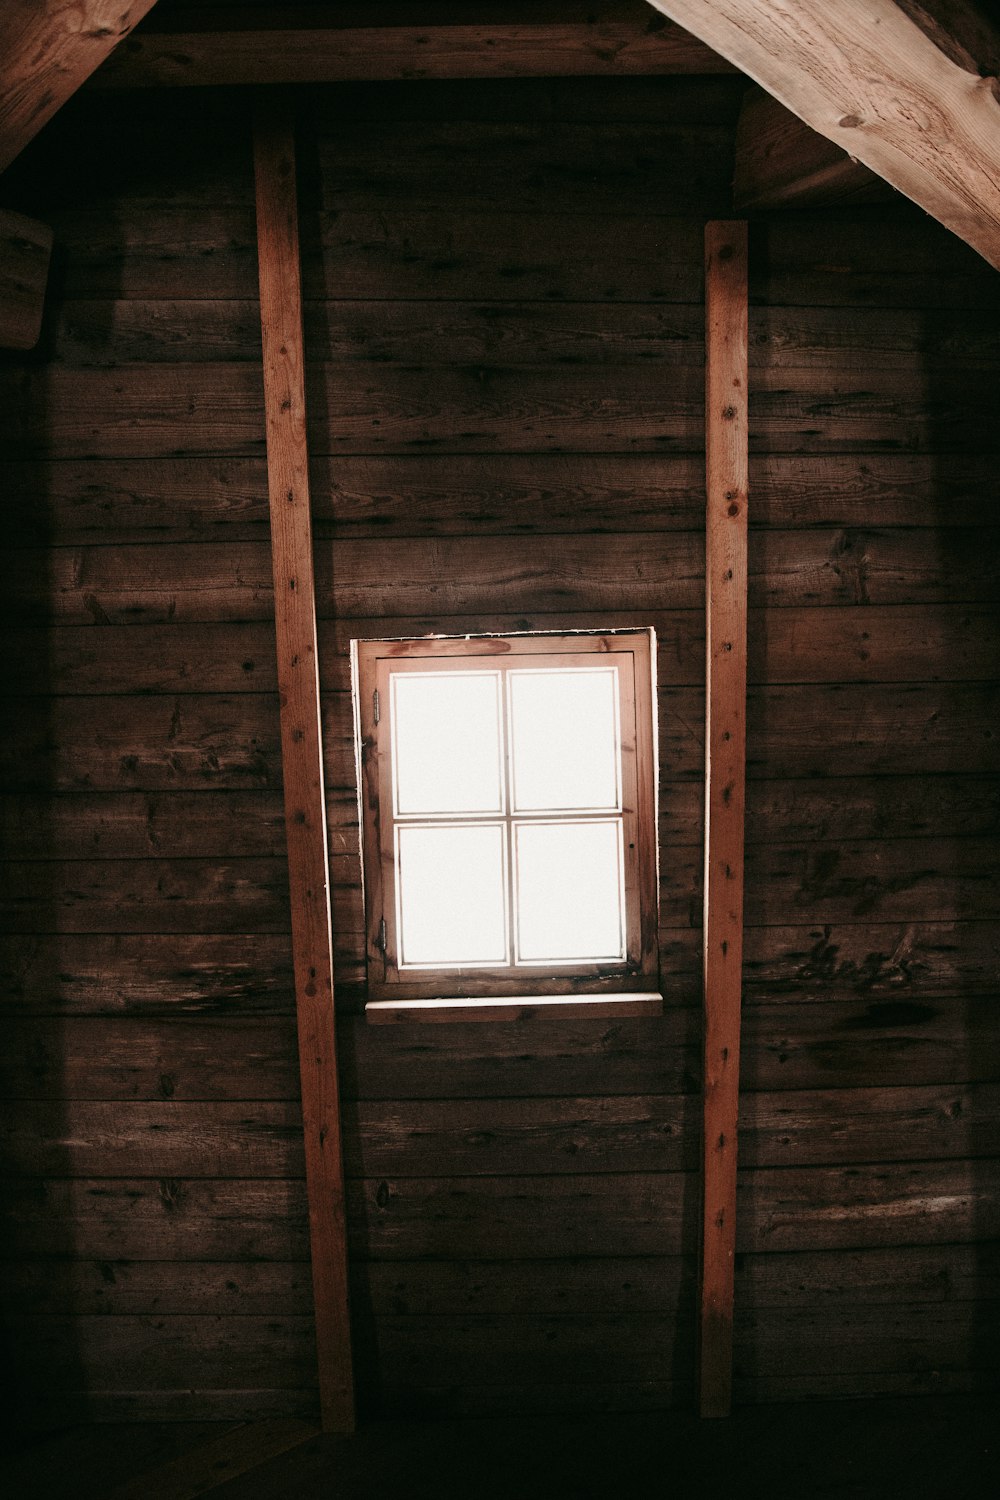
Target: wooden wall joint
[[725, 774], [302, 748]]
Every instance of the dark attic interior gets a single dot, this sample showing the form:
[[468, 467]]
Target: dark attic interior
[[500, 804]]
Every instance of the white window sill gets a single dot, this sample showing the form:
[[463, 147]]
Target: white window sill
[[515, 1008]]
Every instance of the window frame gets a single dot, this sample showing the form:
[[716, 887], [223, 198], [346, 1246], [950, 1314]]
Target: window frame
[[373, 661]]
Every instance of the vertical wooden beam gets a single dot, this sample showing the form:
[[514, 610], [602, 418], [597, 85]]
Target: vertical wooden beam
[[725, 772], [301, 749]]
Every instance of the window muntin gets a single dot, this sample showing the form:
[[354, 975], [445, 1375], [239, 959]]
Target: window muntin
[[508, 803]]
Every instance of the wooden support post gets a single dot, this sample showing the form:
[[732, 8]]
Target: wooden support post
[[301, 750], [725, 772]]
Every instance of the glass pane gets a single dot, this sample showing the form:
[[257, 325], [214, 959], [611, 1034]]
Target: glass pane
[[446, 742], [569, 883], [451, 884], [564, 739]]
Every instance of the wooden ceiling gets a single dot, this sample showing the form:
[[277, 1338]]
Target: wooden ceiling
[[907, 88]]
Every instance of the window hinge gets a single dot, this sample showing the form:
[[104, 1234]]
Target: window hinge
[[375, 704], [381, 935]]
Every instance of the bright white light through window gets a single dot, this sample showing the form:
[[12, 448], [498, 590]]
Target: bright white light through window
[[569, 891], [452, 894], [477, 885], [447, 742], [564, 740]]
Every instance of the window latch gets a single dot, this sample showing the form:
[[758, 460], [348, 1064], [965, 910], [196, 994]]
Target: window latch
[[375, 704], [382, 942]]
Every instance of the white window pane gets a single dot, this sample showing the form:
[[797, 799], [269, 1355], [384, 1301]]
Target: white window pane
[[569, 881], [446, 742], [451, 883], [564, 739]]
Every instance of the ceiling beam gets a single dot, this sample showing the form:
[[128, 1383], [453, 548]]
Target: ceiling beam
[[547, 40], [48, 50], [781, 163], [875, 79]]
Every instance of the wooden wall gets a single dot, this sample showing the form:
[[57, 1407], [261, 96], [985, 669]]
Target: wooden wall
[[505, 334]]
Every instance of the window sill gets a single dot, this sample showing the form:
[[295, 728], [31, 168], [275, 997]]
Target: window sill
[[515, 1008]]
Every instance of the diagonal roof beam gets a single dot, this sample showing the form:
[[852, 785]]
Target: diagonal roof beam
[[48, 50], [880, 80]]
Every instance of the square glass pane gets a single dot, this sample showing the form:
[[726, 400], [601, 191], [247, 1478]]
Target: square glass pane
[[565, 741], [451, 894], [569, 883], [447, 749]]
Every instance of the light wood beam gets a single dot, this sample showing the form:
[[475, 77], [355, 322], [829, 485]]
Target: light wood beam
[[25, 248], [725, 775], [867, 76], [781, 163], [46, 52], [302, 750], [548, 40]]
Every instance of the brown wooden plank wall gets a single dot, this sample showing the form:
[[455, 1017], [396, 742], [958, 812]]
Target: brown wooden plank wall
[[505, 325]]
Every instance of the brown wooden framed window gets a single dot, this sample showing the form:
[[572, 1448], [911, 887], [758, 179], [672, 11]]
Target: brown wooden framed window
[[508, 815]]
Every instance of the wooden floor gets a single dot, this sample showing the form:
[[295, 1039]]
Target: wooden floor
[[929, 1448]]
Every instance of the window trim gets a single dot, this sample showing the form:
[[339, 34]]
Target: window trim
[[393, 992]]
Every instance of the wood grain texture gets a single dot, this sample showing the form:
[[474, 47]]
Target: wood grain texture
[[727, 482], [48, 53], [25, 249], [863, 79], [781, 163], [302, 752], [178, 499], [598, 45]]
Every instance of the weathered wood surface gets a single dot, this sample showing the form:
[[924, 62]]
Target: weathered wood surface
[[781, 163], [908, 1275], [443, 495], [821, 644], [870, 806], [95, 332], [881, 966], [48, 53], [491, 1137], [879, 879], [484, 1218], [609, 40], [411, 578], [25, 248], [308, 869], [161, 410], [726, 588], [238, 824], [862, 79], [895, 1042], [186, 741], [415, 1352]]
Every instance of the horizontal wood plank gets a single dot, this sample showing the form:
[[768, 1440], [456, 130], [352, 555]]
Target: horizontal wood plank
[[924, 1039], [102, 331], [490, 1137], [188, 741], [781, 1209], [911, 1275], [178, 499], [420, 578], [161, 410]]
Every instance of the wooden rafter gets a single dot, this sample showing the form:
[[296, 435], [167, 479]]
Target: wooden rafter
[[872, 79], [533, 41], [302, 751], [47, 51], [725, 775]]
